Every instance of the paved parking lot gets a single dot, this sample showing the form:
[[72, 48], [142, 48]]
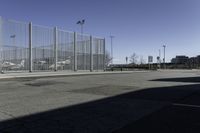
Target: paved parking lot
[[157, 101]]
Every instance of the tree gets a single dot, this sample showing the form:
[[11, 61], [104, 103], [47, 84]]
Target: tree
[[133, 58], [108, 58], [142, 61]]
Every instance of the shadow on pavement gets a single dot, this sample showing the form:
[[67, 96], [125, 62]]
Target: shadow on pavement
[[148, 110], [186, 79], [172, 119]]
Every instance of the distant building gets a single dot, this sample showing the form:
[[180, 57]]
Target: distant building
[[194, 62], [180, 59], [198, 59]]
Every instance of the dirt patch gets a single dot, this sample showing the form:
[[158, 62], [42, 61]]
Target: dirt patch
[[43, 83]]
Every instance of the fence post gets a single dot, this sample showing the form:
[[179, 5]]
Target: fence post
[[75, 52], [1, 43], [55, 48], [104, 54], [1, 30], [98, 42], [30, 48], [91, 54]]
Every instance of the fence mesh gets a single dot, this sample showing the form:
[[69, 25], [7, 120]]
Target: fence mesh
[[98, 53], [14, 45], [83, 52], [48, 46], [65, 50], [42, 48]]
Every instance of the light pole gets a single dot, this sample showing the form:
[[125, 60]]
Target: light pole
[[15, 48], [81, 23], [164, 46], [159, 54], [13, 36], [111, 39], [159, 61]]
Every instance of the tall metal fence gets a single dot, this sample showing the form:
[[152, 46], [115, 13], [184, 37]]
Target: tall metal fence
[[30, 47]]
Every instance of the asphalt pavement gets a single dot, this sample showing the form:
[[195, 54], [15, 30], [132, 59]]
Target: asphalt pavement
[[142, 101]]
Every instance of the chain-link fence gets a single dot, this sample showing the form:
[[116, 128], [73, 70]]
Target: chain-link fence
[[29, 47], [65, 50], [83, 52], [14, 45], [98, 53]]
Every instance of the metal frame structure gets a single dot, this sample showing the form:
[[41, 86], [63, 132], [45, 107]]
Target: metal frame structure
[[29, 47]]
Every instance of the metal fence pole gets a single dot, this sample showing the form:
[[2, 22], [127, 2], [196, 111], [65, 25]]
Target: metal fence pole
[[91, 54], [1, 44], [30, 48], [75, 52], [84, 43], [1, 30], [98, 54], [104, 54], [55, 48]]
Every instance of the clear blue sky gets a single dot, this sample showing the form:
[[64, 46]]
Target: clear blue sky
[[140, 26]]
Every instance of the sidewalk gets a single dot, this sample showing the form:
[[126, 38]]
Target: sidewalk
[[58, 73]]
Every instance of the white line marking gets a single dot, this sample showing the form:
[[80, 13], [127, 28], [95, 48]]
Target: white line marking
[[186, 105]]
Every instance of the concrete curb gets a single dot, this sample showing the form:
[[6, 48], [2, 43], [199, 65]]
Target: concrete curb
[[57, 74]]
